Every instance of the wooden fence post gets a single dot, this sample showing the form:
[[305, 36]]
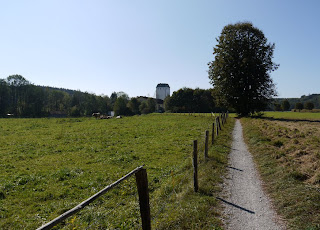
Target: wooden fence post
[[195, 165], [219, 122], [206, 145], [217, 126], [212, 140], [142, 184]]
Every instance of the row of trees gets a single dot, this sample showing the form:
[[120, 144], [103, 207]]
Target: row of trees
[[285, 106], [188, 100], [124, 106], [308, 105], [23, 99]]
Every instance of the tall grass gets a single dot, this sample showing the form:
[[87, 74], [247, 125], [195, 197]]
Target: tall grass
[[287, 155]]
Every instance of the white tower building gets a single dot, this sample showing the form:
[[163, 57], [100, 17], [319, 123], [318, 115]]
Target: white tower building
[[162, 91]]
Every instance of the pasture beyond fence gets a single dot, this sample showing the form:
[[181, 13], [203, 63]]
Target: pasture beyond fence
[[142, 179]]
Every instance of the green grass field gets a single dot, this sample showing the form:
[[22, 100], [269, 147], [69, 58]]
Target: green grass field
[[48, 166], [293, 115]]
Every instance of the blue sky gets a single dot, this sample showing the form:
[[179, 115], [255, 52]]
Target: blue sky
[[131, 46]]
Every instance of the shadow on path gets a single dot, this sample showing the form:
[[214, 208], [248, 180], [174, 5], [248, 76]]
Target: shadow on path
[[235, 168], [236, 206]]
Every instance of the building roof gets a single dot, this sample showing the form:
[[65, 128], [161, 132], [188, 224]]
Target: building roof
[[143, 98], [163, 85]]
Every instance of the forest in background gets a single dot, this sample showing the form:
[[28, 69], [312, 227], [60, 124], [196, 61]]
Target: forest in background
[[20, 98]]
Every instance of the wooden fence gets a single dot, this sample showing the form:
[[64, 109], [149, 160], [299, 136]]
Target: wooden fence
[[142, 181], [219, 122], [143, 192]]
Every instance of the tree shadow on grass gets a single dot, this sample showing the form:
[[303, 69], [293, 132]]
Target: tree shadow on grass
[[286, 119]]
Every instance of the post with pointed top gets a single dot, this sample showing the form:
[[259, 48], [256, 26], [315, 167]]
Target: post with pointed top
[[142, 184], [195, 165]]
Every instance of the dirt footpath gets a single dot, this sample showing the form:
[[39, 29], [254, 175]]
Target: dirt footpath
[[246, 206]]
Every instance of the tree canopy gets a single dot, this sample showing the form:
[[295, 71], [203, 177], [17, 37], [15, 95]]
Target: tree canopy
[[309, 105], [285, 105], [190, 100], [240, 72], [299, 106]]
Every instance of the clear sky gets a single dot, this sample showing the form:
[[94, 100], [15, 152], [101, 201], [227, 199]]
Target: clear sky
[[101, 46]]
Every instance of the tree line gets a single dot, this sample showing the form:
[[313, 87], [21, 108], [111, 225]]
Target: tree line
[[187, 100], [20, 98], [286, 106]]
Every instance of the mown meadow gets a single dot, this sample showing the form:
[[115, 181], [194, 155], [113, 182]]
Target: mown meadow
[[48, 166], [293, 115], [286, 148]]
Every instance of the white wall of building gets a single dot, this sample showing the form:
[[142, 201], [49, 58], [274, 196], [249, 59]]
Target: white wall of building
[[162, 91]]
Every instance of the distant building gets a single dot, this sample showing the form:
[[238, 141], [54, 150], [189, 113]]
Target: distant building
[[162, 91]]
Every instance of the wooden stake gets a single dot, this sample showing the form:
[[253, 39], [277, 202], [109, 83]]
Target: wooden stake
[[212, 140], [142, 184], [206, 145], [217, 126], [195, 165]]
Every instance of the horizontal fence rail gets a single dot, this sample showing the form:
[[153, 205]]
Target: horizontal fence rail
[[80, 206]]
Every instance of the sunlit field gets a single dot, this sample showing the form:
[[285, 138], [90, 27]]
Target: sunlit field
[[293, 115], [48, 166]]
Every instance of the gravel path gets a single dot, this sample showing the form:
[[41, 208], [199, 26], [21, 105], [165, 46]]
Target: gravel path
[[246, 206]]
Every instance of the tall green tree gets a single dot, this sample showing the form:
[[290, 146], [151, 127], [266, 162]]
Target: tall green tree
[[151, 104], [120, 106], [285, 105], [309, 105], [277, 107], [240, 72], [299, 106], [133, 106], [4, 97]]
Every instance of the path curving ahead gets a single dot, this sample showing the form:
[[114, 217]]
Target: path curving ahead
[[246, 206]]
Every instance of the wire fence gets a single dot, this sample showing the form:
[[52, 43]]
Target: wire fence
[[180, 177]]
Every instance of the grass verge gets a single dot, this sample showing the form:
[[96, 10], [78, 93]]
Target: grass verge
[[184, 209], [288, 158]]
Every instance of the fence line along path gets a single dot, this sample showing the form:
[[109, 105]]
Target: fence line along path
[[246, 205]]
